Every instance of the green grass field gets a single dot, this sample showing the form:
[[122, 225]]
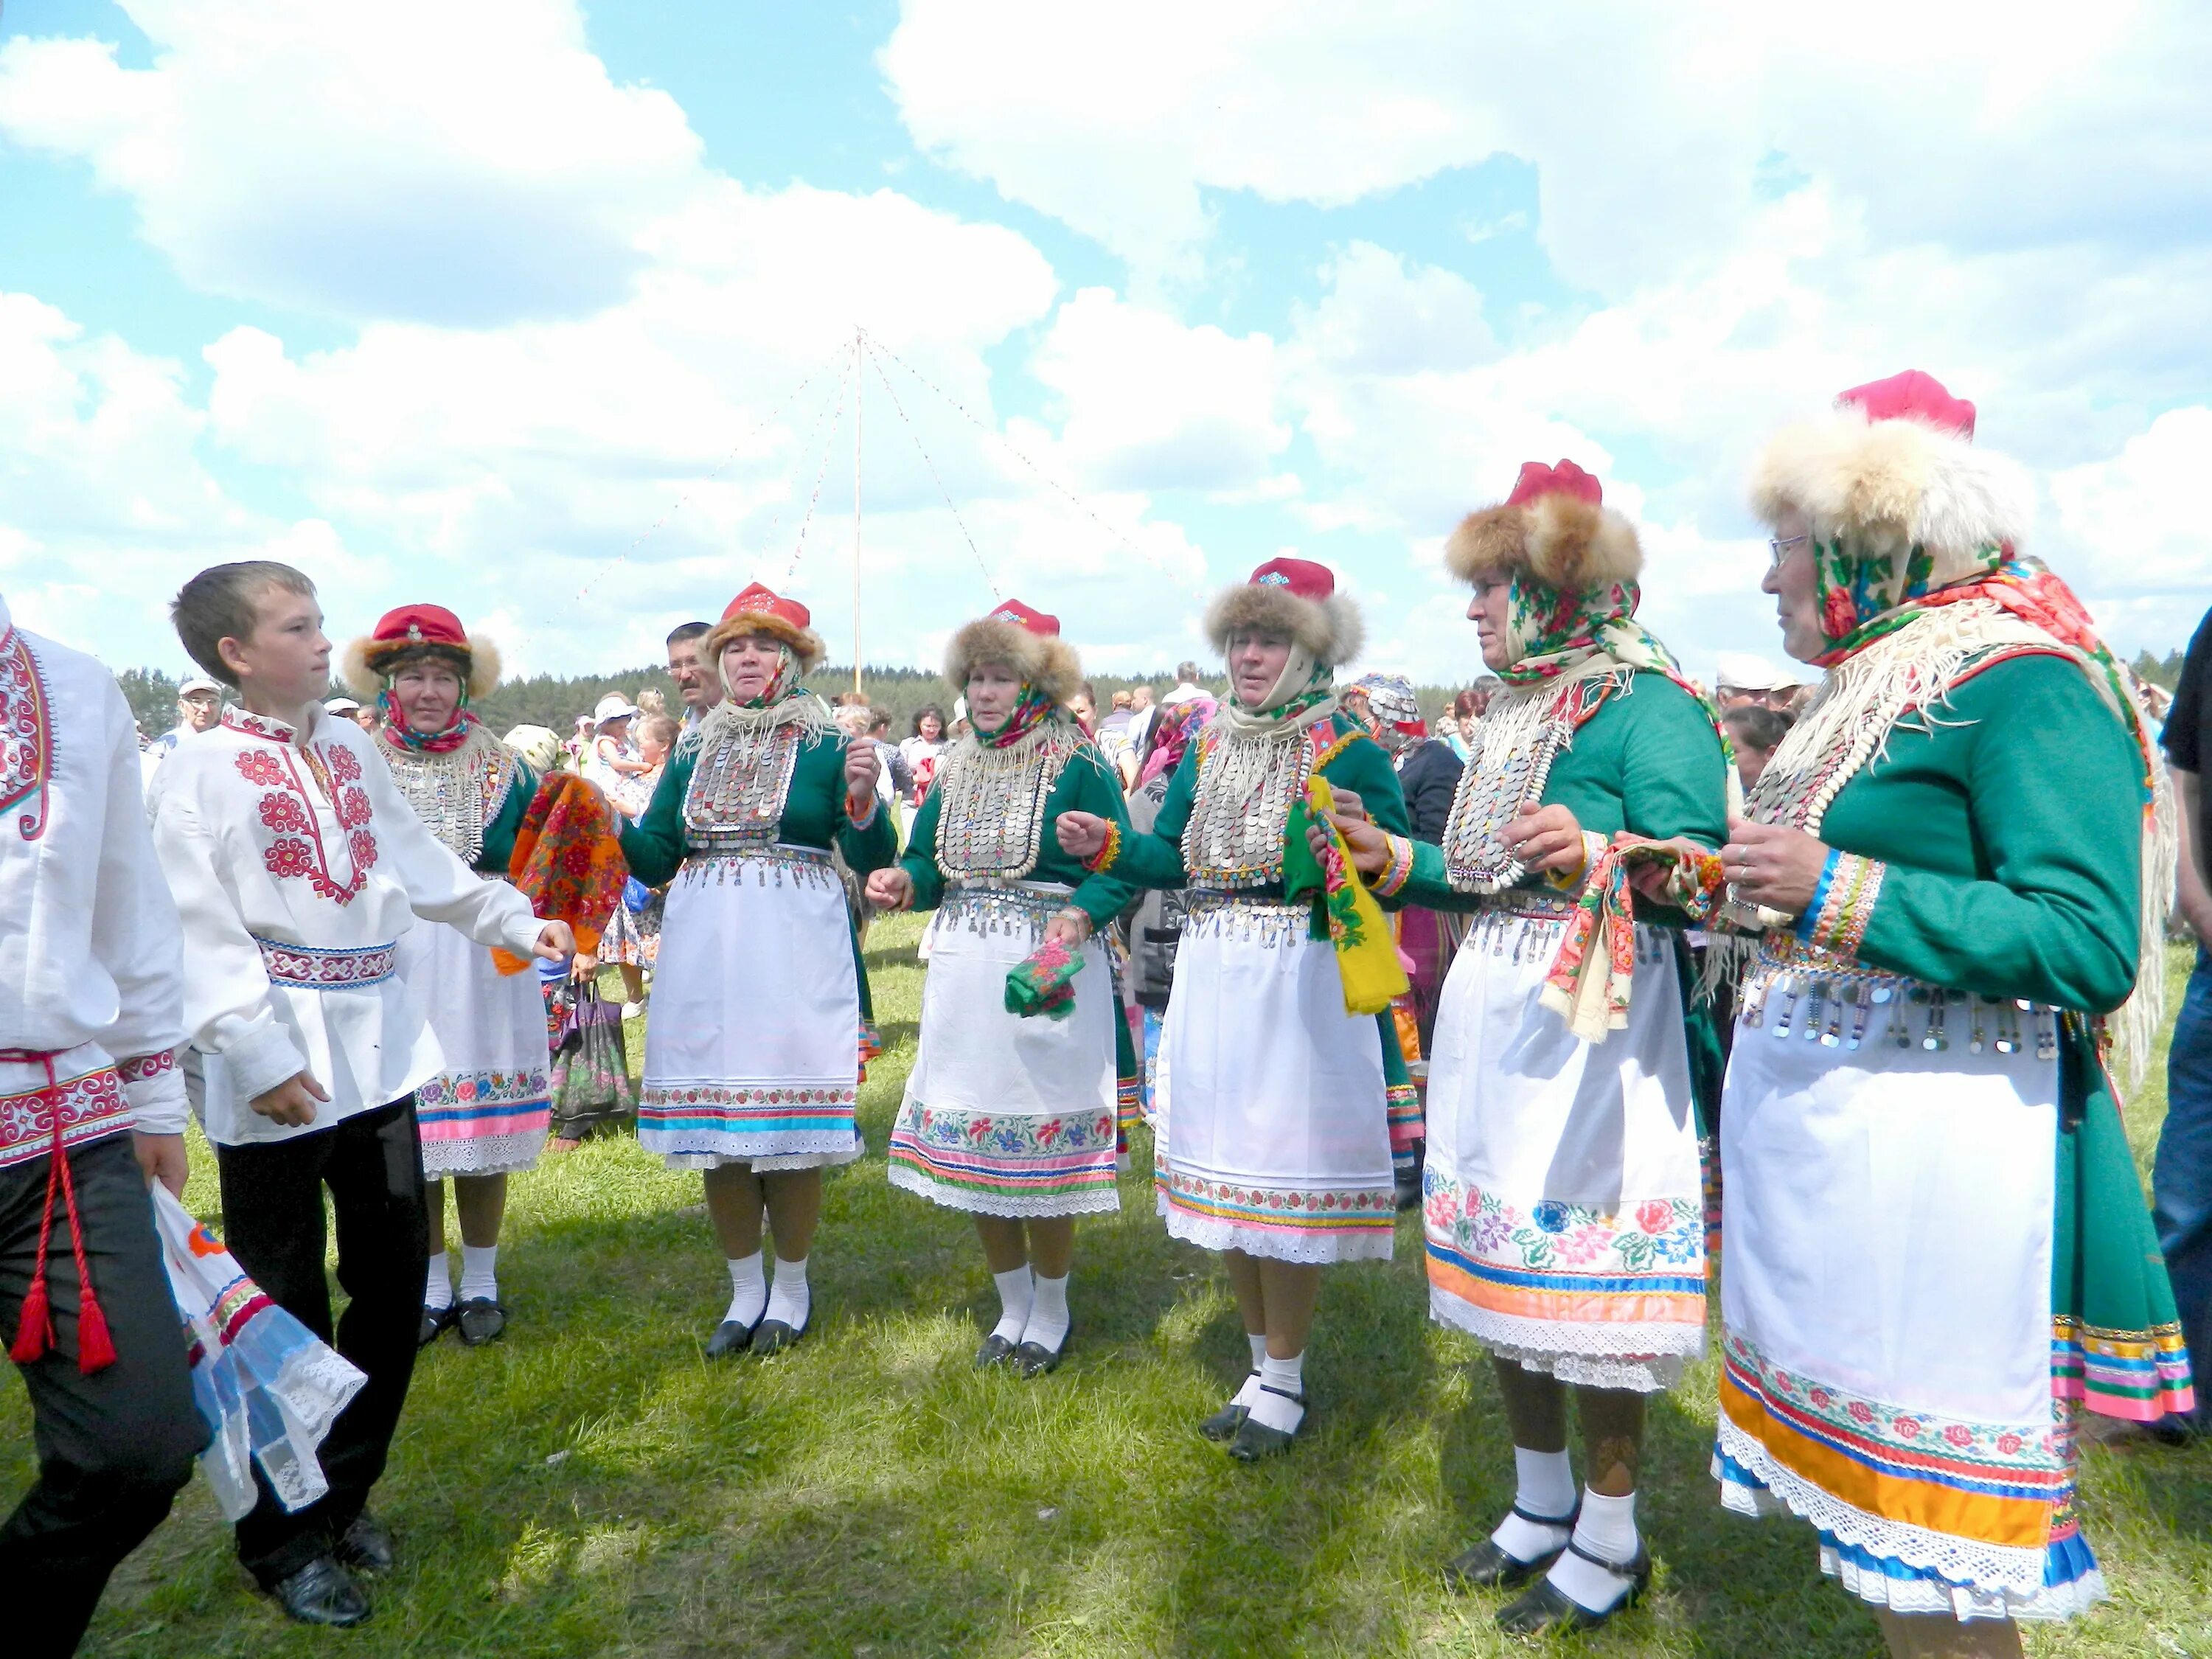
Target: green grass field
[[592, 1485]]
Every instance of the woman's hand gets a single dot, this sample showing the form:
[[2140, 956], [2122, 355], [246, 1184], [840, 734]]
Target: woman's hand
[[862, 768], [1082, 835], [1772, 865], [1653, 878], [1070, 928], [556, 941], [1370, 846], [1346, 804], [583, 968], [890, 888], [1544, 838], [162, 1157]]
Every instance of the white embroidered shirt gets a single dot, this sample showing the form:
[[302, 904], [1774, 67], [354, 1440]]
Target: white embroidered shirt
[[89, 966], [297, 864]]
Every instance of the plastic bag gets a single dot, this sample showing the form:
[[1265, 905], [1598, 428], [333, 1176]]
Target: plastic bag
[[591, 1070]]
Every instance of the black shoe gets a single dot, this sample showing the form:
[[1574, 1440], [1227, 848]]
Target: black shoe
[[436, 1322], [774, 1336], [1407, 1181], [729, 1339], [1255, 1440], [480, 1320], [1542, 1608], [1035, 1359], [321, 1593], [995, 1351], [365, 1546], [1486, 1566], [1224, 1423]]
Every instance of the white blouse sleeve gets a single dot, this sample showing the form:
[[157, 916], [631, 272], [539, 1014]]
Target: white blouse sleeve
[[136, 941]]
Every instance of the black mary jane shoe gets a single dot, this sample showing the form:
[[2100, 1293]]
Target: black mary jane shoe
[[366, 1545], [321, 1593], [1541, 1608], [1224, 1423], [1255, 1440], [730, 1339], [1035, 1359], [773, 1336], [479, 1320], [995, 1351], [435, 1323], [1486, 1566]]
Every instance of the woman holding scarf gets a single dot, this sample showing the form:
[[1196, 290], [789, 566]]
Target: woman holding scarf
[[761, 1020], [1957, 867], [1272, 1140], [1563, 1199], [1012, 1119], [484, 1115]]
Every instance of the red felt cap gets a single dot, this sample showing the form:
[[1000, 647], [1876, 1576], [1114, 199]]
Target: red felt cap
[[1013, 610], [1913, 396], [758, 600], [1564, 479], [419, 624], [1303, 577]]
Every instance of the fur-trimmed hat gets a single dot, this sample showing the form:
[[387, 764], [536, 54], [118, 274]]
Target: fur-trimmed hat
[[1894, 466], [1024, 640], [417, 631], [760, 611], [1554, 528], [1294, 598]]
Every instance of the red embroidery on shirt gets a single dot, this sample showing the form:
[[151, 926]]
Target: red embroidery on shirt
[[294, 848], [27, 735]]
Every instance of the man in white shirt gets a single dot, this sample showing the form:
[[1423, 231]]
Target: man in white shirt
[[199, 704], [296, 864], [91, 1014], [697, 683]]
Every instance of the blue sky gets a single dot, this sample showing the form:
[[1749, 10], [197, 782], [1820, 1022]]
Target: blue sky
[[543, 311]]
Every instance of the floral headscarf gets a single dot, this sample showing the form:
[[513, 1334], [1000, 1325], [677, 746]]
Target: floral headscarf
[[396, 728], [1032, 709], [1863, 595], [1172, 733]]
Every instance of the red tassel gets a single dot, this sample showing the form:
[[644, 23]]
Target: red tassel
[[35, 1334], [95, 1348]]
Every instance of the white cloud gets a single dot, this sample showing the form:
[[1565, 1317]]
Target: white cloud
[[2135, 521], [458, 163], [1150, 403]]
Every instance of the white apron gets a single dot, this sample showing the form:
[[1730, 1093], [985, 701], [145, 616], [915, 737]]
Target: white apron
[[1005, 1116], [752, 1054], [1562, 1201], [1270, 1133], [486, 1110], [1887, 1363]]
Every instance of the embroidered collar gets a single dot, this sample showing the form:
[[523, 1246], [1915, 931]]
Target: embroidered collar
[[265, 726]]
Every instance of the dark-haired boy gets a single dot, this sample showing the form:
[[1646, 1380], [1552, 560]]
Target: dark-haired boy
[[296, 866]]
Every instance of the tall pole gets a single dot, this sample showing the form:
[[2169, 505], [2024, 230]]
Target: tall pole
[[857, 390]]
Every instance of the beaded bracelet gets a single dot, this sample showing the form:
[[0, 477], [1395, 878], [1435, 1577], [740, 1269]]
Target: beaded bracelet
[[1843, 903], [1398, 871], [1104, 857]]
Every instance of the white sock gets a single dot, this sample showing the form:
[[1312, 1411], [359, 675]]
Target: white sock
[[479, 1272], [1606, 1529], [1048, 1326], [790, 1300], [437, 1287], [1275, 1401], [1259, 1348], [1545, 1485], [1015, 1295], [748, 1290]]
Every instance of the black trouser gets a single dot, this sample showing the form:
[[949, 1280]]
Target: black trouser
[[115, 1446], [272, 1216]]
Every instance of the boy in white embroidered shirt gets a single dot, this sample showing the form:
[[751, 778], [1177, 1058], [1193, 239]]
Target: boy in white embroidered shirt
[[296, 866]]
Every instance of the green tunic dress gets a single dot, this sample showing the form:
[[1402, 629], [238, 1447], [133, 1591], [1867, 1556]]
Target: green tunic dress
[[1934, 1229], [1273, 1128], [761, 1022], [1002, 1114], [1564, 1206], [488, 1110]]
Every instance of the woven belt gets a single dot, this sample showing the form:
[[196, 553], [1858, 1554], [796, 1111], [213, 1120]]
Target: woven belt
[[308, 968]]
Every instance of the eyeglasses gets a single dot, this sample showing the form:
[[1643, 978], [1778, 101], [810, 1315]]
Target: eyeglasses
[[1780, 546]]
